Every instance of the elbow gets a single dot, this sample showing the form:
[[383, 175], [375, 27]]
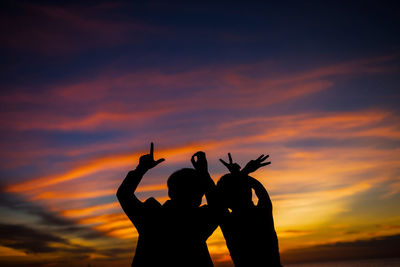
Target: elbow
[[119, 193]]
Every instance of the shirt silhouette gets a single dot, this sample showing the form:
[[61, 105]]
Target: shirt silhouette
[[175, 233], [248, 229]]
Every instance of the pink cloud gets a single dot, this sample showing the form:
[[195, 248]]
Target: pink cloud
[[112, 99]]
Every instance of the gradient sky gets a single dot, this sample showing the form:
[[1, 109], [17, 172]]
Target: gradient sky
[[85, 88]]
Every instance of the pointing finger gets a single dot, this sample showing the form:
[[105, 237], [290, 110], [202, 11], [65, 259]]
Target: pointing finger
[[151, 148]]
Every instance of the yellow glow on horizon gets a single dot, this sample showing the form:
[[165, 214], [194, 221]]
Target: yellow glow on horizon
[[327, 179], [9, 252]]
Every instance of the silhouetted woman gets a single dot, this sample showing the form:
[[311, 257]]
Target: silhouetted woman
[[248, 229]]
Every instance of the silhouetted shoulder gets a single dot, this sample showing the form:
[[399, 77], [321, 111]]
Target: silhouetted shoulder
[[152, 203]]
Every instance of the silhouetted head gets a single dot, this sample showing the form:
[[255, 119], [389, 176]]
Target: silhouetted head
[[186, 187], [235, 191]]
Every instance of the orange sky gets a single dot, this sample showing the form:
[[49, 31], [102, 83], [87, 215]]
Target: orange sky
[[75, 118]]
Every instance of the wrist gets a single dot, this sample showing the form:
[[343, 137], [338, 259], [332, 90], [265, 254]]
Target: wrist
[[141, 169], [202, 171], [245, 171]]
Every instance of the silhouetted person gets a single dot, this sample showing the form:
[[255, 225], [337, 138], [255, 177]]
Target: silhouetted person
[[248, 229], [175, 233]]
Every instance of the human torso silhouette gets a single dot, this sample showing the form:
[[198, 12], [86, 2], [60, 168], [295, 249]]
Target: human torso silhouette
[[172, 236], [248, 229], [250, 237]]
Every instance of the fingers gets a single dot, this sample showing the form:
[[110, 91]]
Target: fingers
[[199, 154], [260, 157], [230, 158], [159, 161], [264, 158], [151, 148], [265, 164], [223, 162], [192, 159]]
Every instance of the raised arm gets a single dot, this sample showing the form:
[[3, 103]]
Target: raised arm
[[214, 204], [264, 200], [125, 194], [233, 168], [199, 162], [252, 166]]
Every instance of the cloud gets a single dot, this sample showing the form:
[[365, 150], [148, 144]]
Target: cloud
[[380, 247], [113, 224], [328, 125], [28, 239], [293, 233], [90, 210], [229, 106], [54, 30], [294, 167], [115, 104], [51, 221], [92, 122], [111, 99], [56, 238], [85, 194], [111, 162]]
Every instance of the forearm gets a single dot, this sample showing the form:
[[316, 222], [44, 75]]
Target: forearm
[[128, 186], [262, 194], [210, 190], [215, 203]]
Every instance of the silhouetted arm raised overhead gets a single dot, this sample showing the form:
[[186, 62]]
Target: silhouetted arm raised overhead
[[254, 165], [264, 200], [262, 194], [199, 162], [233, 168], [125, 194], [214, 204]]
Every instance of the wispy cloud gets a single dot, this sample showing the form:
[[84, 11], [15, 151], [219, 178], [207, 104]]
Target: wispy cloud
[[382, 247], [53, 30], [323, 191], [87, 86]]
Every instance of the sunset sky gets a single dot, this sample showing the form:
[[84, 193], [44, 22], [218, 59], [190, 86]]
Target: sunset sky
[[86, 87]]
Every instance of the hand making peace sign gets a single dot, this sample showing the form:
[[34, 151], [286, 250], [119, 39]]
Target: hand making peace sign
[[232, 167]]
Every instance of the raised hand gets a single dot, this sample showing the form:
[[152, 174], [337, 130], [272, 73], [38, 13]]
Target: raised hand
[[147, 161], [254, 165], [200, 164], [232, 167]]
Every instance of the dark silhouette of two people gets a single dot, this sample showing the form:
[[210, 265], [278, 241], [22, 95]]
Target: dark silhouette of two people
[[175, 233]]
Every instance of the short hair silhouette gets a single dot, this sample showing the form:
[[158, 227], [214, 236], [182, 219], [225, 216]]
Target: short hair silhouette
[[186, 187], [235, 190]]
